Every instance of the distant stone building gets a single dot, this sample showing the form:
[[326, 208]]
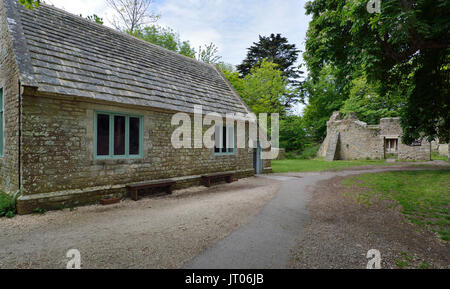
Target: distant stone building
[[440, 148], [86, 110], [349, 138]]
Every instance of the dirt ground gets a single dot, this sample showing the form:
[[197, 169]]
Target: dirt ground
[[342, 231], [155, 232]]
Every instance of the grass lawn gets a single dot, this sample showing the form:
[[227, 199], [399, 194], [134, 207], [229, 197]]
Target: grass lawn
[[424, 196], [436, 156], [314, 165]]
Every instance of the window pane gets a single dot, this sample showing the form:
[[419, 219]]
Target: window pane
[[102, 135], [134, 135], [224, 139], [217, 139], [230, 139], [119, 135]]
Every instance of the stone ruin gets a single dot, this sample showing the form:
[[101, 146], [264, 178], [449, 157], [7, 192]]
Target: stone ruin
[[348, 138]]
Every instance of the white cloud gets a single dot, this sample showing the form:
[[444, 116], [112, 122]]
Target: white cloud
[[233, 25]]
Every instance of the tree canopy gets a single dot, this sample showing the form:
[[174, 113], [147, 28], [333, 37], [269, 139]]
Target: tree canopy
[[369, 106], [264, 89], [29, 4], [94, 18], [275, 49], [165, 37], [324, 96], [404, 49]]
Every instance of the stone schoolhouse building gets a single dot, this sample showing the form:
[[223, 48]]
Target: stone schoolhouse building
[[86, 110]]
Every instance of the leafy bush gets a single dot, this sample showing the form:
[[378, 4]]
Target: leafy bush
[[7, 208], [310, 152], [292, 134]]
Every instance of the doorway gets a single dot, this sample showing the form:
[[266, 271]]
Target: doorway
[[391, 147], [257, 160]]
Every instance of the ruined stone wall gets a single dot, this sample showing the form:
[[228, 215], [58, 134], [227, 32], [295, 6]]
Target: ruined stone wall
[[418, 153], [357, 140], [390, 127], [58, 150], [9, 78], [444, 149], [435, 146]]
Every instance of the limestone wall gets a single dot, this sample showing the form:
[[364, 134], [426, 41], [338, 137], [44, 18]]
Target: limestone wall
[[443, 149], [357, 140], [58, 150], [390, 127], [9, 81], [418, 153]]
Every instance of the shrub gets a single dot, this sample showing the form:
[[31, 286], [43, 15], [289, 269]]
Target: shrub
[[7, 208], [310, 152]]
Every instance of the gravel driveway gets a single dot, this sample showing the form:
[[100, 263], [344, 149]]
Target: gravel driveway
[[271, 239], [342, 231], [158, 232]]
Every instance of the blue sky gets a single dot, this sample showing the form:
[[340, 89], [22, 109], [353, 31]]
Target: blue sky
[[233, 25]]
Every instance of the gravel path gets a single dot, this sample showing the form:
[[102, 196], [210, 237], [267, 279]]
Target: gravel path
[[269, 239], [259, 222], [266, 240], [159, 232], [342, 231]]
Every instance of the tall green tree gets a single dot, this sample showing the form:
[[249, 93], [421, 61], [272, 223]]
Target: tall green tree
[[165, 37], [264, 89], [404, 48], [368, 105], [324, 97], [293, 136], [276, 49]]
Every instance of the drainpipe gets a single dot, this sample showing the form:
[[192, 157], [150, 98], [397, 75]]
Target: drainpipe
[[19, 147]]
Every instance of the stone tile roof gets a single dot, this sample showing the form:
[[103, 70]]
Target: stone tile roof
[[65, 54]]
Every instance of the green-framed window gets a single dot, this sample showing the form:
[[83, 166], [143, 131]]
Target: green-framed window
[[118, 135], [224, 138], [2, 125]]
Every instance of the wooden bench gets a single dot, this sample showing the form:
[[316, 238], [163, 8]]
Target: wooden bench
[[206, 179], [134, 188]]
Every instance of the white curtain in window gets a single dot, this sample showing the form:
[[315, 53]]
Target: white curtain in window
[[217, 137], [230, 137]]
